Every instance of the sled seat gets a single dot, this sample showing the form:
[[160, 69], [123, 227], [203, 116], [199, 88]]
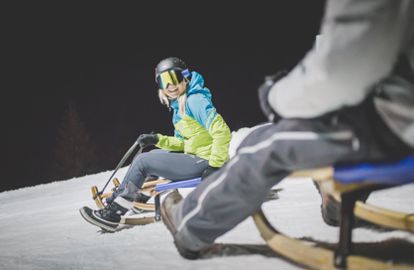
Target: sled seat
[[346, 184], [395, 173]]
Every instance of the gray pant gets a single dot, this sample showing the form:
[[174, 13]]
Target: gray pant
[[170, 165], [264, 158]]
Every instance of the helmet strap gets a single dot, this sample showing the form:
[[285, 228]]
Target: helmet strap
[[186, 73]]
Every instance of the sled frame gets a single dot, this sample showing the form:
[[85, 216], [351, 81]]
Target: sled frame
[[368, 212], [303, 253], [342, 257]]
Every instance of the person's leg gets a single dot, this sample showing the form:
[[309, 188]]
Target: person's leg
[[263, 159], [170, 165], [173, 166]]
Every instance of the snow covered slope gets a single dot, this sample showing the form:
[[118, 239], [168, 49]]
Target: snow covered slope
[[41, 228]]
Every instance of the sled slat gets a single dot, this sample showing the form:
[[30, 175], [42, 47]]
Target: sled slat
[[145, 206], [116, 183], [384, 217], [319, 173], [131, 220], [154, 183], [96, 197]]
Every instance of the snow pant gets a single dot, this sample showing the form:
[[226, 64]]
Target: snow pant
[[173, 166], [271, 153]]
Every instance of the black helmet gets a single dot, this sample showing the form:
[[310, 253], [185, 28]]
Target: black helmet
[[171, 64]]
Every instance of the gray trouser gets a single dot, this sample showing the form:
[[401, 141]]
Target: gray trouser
[[170, 165], [263, 159]]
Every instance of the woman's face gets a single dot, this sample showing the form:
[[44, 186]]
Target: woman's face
[[174, 91]]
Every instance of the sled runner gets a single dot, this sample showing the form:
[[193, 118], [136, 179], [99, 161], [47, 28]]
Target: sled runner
[[346, 184]]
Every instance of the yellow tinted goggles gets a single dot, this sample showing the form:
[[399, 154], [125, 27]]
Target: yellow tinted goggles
[[173, 77]]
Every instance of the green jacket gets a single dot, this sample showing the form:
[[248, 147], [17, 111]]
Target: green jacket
[[202, 131]]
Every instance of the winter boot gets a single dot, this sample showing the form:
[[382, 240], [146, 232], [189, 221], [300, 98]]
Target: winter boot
[[169, 217], [128, 189], [331, 209], [107, 218], [142, 198]]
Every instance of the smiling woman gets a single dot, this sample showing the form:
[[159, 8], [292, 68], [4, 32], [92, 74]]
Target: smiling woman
[[199, 147], [172, 77]]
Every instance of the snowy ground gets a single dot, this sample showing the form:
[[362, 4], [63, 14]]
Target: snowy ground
[[41, 228]]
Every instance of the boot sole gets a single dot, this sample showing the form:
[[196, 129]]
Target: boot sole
[[166, 220]]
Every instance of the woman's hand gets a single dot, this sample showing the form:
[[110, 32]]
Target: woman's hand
[[145, 140]]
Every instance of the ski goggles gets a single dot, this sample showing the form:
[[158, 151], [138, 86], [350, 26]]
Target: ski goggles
[[173, 77]]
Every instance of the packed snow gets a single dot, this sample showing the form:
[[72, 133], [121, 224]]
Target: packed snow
[[41, 228]]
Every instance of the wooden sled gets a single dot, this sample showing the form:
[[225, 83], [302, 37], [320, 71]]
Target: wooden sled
[[311, 256], [349, 184], [376, 215], [145, 215], [156, 191], [99, 198], [146, 212]]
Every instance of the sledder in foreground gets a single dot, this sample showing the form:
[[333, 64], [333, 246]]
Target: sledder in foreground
[[349, 102], [198, 148]]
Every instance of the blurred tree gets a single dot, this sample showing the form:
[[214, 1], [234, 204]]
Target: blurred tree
[[74, 153]]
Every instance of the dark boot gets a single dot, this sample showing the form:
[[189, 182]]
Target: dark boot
[[107, 218], [169, 217], [130, 191], [331, 209], [142, 198]]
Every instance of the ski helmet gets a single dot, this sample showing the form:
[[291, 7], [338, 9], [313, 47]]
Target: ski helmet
[[171, 70]]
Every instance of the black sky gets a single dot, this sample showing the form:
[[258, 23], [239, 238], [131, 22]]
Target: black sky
[[101, 59]]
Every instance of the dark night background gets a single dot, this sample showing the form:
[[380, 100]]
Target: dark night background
[[89, 70]]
